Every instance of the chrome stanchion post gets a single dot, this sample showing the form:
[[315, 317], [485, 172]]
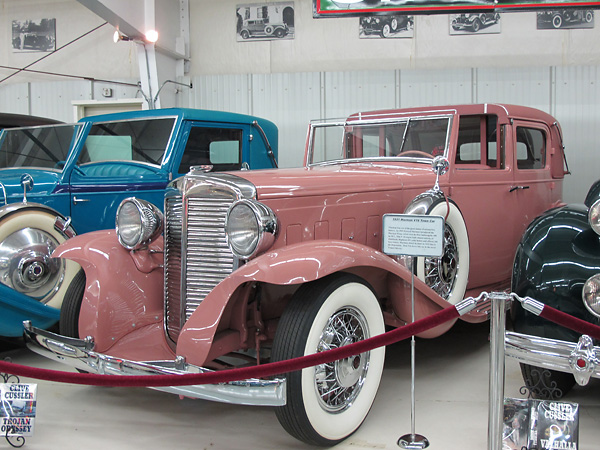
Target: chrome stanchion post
[[496, 382], [412, 440]]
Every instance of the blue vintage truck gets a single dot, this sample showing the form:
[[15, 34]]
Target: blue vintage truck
[[65, 179]]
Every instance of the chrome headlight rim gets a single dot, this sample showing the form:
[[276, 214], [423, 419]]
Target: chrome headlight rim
[[264, 229], [148, 221], [590, 294], [594, 217]]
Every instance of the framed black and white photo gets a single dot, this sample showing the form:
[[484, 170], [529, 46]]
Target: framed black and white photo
[[480, 23], [384, 27], [265, 21], [34, 35], [565, 19]]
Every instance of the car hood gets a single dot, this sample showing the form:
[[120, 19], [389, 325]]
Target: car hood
[[339, 179], [44, 182]]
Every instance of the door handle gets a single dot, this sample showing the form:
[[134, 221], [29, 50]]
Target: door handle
[[516, 188], [80, 200]]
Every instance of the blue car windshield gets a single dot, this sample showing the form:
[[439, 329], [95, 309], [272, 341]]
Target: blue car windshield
[[44, 147], [143, 140]]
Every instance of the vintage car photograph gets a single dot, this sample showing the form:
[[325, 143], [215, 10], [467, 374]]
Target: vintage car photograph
[[475, 23], [65, 179], [249, 267], [266, 21], [558, 264], [565, 18], [386, 26]]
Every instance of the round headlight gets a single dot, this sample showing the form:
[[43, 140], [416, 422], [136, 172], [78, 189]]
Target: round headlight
[[138, 223], [591, 295], [594, 217], [250, 228]]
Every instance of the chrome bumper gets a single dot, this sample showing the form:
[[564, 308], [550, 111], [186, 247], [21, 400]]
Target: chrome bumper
[[580, 358], [79, 354]]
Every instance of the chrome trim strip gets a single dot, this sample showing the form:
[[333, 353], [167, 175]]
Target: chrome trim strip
[[580, 359], [79, 354]]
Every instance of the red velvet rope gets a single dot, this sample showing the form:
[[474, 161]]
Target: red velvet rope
[[262, 371], [567, 321]]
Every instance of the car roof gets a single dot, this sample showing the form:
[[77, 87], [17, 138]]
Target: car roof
[[183, 113], [502, 110], [9, 120]]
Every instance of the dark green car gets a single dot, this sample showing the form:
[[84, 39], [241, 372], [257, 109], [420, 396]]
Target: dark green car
[[558, 263]]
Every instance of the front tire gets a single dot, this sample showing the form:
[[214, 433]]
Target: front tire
[[327, 403], [69, 311], [448, 275]]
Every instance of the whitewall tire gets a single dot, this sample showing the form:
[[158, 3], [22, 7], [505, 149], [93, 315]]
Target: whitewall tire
[[27, 238], [329, 313], [449, 274]]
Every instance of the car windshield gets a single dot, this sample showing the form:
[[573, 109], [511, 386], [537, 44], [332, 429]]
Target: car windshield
[[45, 147], [411, 138], [142, 140]]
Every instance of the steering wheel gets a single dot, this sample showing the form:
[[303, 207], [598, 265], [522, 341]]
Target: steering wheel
[[415, 153]]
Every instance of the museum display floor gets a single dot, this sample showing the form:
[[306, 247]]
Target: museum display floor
[[451, 407]]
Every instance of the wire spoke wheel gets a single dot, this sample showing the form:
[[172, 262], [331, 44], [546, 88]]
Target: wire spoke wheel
[[327, 403], [338, 383], [441, 273], [448, 274]]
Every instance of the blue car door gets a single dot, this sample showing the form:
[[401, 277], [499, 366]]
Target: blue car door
[[119, 160]]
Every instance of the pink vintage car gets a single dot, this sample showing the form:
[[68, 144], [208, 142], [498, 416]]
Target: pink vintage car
[[255, 266]]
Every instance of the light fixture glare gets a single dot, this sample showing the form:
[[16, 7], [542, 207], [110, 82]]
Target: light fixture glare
[[152, 36]]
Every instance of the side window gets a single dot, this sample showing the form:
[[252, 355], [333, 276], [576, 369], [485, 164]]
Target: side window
[[468, 149], [531, 148], [478, 142], [218, 147]]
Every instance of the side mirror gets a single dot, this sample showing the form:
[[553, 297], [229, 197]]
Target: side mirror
[[26, 184], [440, 166]]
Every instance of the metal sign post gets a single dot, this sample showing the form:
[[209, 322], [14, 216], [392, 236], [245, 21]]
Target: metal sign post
[[413, 235]]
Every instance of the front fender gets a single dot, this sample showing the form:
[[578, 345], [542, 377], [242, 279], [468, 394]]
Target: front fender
[[17, 307], [292, 265], [557, 254], [123, 295]]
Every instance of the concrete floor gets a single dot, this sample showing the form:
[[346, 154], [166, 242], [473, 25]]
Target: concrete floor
[[451, 407]]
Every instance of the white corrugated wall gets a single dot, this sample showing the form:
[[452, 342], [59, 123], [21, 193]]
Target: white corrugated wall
[[291, 100]]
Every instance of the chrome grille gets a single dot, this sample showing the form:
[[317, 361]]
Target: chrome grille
[[208, 259], [197, 256], [173, 221]]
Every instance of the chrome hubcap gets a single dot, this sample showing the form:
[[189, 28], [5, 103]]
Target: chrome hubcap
[[441, 273], [26, 264], [339, 383]]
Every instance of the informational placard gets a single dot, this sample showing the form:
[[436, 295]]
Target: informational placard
[[413, 235], [17, 408]]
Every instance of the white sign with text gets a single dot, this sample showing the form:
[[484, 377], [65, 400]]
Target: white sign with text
[[413, 235]]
